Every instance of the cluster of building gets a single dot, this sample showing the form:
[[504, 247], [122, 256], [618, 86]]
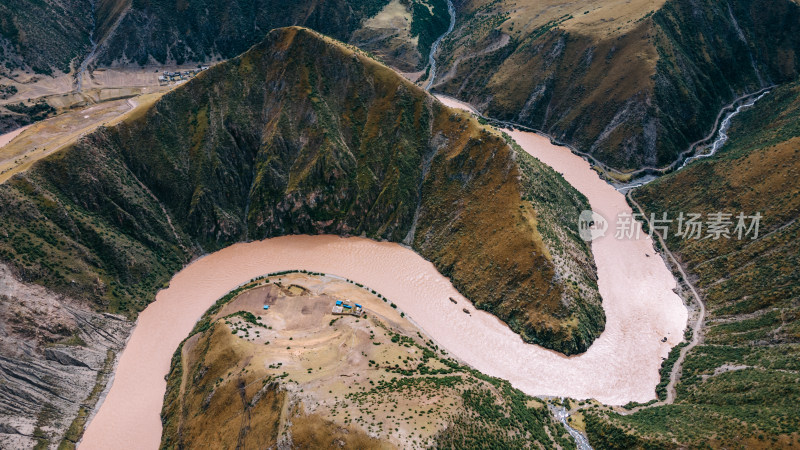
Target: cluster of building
[[168, 76], [344, 307]]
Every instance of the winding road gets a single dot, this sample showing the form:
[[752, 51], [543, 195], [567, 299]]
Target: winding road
[[697, 329]]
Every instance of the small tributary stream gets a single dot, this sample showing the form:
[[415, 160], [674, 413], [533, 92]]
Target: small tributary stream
[[561, 414], [431, 59], [711, 150]]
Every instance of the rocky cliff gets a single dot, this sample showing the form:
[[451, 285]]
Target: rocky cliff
[[56, 353]]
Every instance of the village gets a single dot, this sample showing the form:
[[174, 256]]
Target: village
[[167, 77], [341, 308]]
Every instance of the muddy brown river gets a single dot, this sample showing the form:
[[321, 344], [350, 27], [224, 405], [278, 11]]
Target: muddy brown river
[[621, 366]]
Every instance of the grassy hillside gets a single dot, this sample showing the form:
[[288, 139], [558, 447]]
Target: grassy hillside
[[633, 83], [739, 387], [300, 377], [348, 148]]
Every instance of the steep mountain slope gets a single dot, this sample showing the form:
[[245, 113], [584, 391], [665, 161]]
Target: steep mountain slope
[[64, 39], [403, 32], [353, 149], [633, 83], [43, 36], [201, 30], [50, 35], [301, 134], [300, 377], [739, 388]]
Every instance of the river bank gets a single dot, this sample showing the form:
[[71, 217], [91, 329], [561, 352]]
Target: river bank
[[621, 366], [604, 201]]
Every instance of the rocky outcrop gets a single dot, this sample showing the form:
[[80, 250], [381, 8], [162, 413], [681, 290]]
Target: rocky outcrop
[[63, 358], [51, 349]]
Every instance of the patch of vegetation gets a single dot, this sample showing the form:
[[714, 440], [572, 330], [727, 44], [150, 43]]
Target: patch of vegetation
[[429, 20], [666, 370], [494, 415], [7, 90], [21, 114]]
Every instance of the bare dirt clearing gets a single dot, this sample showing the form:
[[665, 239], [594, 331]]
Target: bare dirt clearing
[[49, 136]]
